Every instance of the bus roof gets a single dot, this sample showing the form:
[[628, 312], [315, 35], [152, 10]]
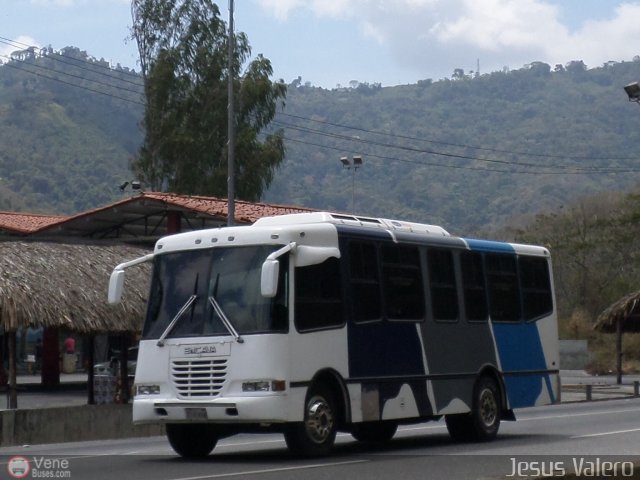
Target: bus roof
[[345, 219]]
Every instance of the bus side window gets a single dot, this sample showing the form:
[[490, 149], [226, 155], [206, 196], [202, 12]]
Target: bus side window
[[536, 287], [365, 282], [442, 284], [475, 297], [504, 292], [402, 281], [318, 303]]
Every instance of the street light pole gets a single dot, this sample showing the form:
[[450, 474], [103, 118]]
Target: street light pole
[[231, 131], [348, 165]]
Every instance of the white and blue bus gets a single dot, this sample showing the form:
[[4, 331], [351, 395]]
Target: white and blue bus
[[314, 323]]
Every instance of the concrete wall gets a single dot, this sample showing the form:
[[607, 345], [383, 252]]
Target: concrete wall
[[70, 424], [574, 354]]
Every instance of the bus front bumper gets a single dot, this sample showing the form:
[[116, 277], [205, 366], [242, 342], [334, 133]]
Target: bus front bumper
[[255, 409]]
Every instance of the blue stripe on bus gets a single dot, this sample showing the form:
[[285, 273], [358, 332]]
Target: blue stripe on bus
[[520, 349], [489, 246]]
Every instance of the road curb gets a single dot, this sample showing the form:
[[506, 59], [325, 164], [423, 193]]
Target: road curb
[[71, 424]]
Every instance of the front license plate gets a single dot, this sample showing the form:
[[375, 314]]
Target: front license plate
[[196, 413]]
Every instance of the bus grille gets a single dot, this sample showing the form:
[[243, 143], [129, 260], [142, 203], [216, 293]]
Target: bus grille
[[198, 378]]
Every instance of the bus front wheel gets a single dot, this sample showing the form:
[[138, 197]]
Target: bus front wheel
[[317, 433], [192, 440], [483, 422]]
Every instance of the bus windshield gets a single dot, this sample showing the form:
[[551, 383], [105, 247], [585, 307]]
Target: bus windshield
[[192, 291]]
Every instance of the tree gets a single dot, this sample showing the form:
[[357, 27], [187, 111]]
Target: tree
[[540, 69], [183, 47], [458, 74], [576, 66], [595, 246]]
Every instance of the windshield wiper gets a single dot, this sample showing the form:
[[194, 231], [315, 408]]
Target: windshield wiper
[[225, 320], [175, 319]]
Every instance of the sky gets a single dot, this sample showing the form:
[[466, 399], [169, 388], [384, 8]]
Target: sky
[[333, 42]]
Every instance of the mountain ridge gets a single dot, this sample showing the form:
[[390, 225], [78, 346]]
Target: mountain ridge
[[468, 153]]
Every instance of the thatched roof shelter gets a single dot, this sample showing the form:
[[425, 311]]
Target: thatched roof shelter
[[621, 317], [64, 285], [626, 311]]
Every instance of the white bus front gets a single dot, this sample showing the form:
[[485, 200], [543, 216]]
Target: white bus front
[[207, 327], [215, 352]]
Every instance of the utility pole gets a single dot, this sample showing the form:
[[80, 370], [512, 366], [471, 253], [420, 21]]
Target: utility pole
[[231, 131]]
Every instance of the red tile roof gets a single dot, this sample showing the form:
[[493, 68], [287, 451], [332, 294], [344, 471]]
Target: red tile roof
[[27, 222], [245, 212], [120, 213]]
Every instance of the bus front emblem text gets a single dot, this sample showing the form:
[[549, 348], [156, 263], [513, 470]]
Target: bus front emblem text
[[197, 350]]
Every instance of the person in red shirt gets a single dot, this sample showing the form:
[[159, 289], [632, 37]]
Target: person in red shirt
[[70, 345]]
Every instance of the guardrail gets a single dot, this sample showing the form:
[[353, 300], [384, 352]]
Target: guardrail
[[599, 391]]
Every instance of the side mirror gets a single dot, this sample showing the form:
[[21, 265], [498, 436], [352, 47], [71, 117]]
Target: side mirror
[[269, 278], [116, 286]]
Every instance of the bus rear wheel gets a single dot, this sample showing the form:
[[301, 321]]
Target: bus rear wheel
[[316, 435], [374, 432], [483, 422], [192, 440]]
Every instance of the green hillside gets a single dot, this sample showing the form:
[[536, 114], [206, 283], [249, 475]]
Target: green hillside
[[467, 153], [526, 140], [69, 126]]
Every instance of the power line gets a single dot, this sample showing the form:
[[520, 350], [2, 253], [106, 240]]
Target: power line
[[556, 168], [17, 44], [459, 167], [79, 64], [457, 145], [78, 77], [15, 66], [55, 56]]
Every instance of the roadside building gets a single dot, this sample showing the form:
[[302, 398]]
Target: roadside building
[[54, 273]]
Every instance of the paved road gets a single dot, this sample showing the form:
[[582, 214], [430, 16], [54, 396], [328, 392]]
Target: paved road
[[559, 436]]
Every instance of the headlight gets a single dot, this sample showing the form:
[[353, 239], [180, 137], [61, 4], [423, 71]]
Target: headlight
[[147, 389], [258, 386], [264, 386]]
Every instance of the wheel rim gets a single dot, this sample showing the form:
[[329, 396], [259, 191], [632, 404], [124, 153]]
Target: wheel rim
[[488, 407], [319, 422]]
